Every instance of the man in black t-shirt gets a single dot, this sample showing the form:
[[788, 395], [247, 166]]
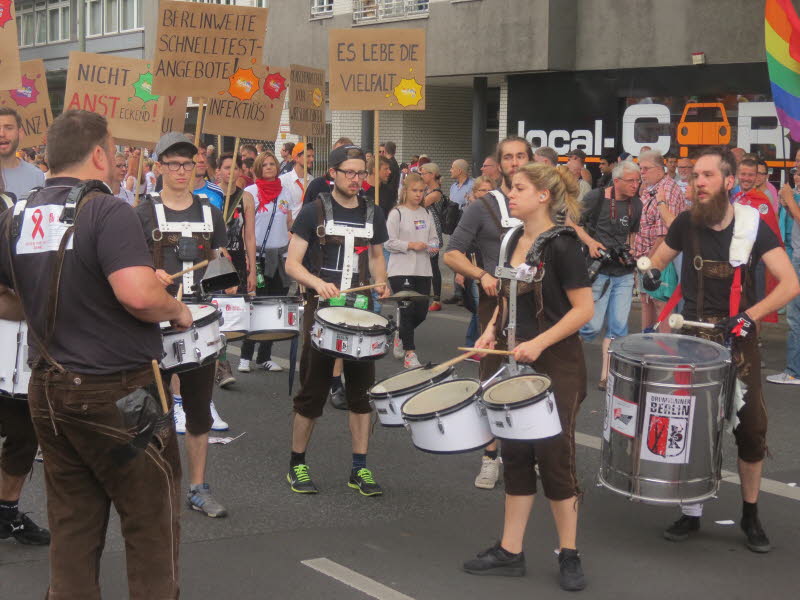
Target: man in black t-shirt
[[610, 219], [321, 268], [717, 281]]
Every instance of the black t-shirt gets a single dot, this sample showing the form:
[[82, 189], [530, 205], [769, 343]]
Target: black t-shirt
[[385, 200], [611, 230], [714, 245], [318, 185], [332, 255], [93, 333], [393, 183], [565, 269]]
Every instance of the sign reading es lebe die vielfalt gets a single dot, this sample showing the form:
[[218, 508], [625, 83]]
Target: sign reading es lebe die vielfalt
[[118, 88], [377, 69], [200, 46], [10, 70], [31, 100]]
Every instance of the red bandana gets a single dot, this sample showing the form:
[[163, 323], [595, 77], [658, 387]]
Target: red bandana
[[268, 191]]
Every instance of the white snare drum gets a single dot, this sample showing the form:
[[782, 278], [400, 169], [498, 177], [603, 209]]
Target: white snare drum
[[198, 345], [235, 309], [274, 318], [388, 395], [522, 408], [14, 371], [350, 333], [448, 418]]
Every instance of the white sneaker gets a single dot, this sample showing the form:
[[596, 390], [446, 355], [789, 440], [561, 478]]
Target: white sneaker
[[180, 418], [397, 350], [244, 365], [271, 366], [784, 378], [218, 424], [411, 362], [490, 473]]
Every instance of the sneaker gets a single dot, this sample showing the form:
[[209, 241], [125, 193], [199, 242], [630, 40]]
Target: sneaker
[[496, 561], [454, 300], [476, 358], [757, 540], [224, 375], [270, 366], [218, 424], [337, 398], [435, 306], [200, 499], [784, 378], [490, 473], [411, 361], [244, 365], [24, 530], [679, 531], [570, 576], [397, 350], [601, 385], [363, 481], [180, 418], [300, 481]]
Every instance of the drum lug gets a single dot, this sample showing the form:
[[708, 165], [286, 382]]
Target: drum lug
[[481, 409], [195, 334], [280, 311], [178, 349], [391, 407], [550, 404], [198, 354], [439, 424], [508, 415]]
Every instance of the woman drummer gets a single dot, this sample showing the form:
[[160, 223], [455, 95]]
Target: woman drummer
[[550, 312]]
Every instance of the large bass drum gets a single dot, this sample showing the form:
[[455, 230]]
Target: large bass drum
[[667, 397], [388, 395]]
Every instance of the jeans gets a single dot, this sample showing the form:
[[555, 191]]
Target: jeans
[[612, 297], [793, 339]]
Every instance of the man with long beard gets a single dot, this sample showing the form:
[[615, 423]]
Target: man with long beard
[[718, 287]]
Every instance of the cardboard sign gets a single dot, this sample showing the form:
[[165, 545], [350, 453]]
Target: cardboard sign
[[174, 116], [200, 46], [250, 106], [31, 100], [377, 69], [118, 88], [306, 101], [10, 69]]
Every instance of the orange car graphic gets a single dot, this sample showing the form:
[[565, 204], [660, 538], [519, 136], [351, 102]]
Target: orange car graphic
[[703, 124]]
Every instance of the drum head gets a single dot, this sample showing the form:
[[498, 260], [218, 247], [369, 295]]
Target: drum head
[[408, 380], [517, 390], [670, 349], [352, 317], [441, 398]]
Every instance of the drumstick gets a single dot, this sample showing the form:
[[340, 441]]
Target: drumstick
[[449, 363], [360, 289], [199, 265], [179, 295], [677, 321], [160, 386], [487, 351]]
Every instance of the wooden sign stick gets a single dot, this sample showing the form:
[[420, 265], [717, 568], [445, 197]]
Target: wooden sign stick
[[230, 180], [198, 128], [305, 164], [376, 156]]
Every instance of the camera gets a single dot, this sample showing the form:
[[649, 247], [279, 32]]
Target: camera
[[595, 266], [622, 254], [625, 257]]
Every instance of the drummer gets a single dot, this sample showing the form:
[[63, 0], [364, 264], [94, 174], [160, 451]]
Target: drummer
[[711, 294], [550, 313]]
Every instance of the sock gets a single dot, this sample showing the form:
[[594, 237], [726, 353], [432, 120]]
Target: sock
[[749, 509], [196, 486], [692, 510], [359, 461], [8, 507], [491, 454], [506, 553], [336, 382], [177, 398], [298, 458]]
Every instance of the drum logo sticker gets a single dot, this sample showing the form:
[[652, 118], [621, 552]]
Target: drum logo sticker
[[341, 343], [623, 416], [668, 424]]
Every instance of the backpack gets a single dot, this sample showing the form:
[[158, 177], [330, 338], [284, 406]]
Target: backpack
[[452, 215]]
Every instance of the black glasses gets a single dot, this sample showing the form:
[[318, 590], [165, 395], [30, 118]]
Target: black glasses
[[353, 174], [122, 166], [177, 166]]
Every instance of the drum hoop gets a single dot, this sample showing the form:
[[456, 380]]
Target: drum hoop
[[543, 395], [216, 315], [475, 396], [347, 328], [215, 296], [276, 300], [671, 368], [411, 389]]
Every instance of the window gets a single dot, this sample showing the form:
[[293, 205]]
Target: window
[[94, 17], [107, 17], [40, 22], [321, 8], [377, 10]]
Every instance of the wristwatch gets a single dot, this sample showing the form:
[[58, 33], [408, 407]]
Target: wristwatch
[[660, 202]]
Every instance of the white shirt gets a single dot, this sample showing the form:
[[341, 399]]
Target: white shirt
[[293, 191]]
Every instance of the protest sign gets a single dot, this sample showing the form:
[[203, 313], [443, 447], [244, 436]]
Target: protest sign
[[174, 116], [10, 70], [200, 46], [250, 105], [31, 99], [306, 101], [118, 88], [377, 69]]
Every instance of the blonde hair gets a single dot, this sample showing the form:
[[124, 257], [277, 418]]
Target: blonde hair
[[481, 179], [410, 179], [258, 165], [432, 168], [561, 184]]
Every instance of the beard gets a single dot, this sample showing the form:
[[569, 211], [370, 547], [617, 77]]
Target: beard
[[712, 212]]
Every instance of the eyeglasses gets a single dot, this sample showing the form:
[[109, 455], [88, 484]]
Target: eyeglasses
[[630, 181], [177, 166], [353, 174], [762, 173], [122, 166]]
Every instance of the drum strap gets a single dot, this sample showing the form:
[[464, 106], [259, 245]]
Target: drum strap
[[716, 270], [330, 233]]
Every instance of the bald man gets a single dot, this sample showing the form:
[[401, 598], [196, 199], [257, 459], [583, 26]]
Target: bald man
[[462, 186]]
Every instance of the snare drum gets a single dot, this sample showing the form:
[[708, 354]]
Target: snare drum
[[388, 395], [448, 418], [666, 400], [274, 318], [14, 371], [198, 345], [522, 408], [235, 309], [350, 333]]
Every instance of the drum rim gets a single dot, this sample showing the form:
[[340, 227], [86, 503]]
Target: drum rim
[[412, 389], [372, 329], [271, 299], [214, 296], [347, 356], [725, 354], [521, 403], [475, 396], [216, 315]]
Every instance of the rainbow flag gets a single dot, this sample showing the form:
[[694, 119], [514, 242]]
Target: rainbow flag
[[782, 40]]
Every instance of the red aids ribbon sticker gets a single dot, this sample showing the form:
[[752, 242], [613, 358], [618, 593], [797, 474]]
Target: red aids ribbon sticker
[[37, 223]]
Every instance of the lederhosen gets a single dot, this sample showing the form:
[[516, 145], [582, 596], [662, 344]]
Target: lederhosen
[[564, 364], [316, 367], [235, 223]]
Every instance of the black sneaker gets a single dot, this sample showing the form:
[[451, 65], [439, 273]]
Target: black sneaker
[[24, 530], [454, 300], [496, 561], [570, 576], [300, 481], [679, 531], [757, 540], [337, 399], [362, 481]]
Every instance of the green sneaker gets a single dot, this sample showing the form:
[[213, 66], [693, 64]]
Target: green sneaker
[[300, 481], [362, 481]]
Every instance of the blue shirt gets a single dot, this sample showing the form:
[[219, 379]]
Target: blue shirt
[[458, 194], [215, 194]]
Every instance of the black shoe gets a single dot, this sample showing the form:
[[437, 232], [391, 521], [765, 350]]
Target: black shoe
[[362, 481], [679, 531], [454, 300], [337, 399], [570, 576], [24, 530], [496, 561], [757, 540], [300, 481]]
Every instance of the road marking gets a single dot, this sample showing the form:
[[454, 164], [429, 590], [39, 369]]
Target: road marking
[[440, 315], [355, 580]]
